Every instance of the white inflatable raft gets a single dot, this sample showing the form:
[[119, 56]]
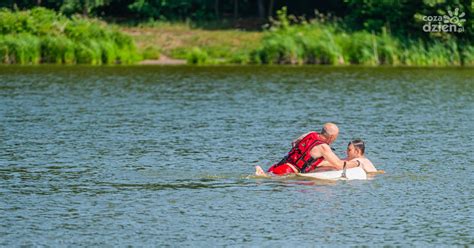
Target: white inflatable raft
[[356, 173]]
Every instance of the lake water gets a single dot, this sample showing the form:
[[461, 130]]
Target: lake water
[[163, 156]]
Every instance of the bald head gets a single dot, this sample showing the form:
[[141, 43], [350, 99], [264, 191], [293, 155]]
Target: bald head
[[330, 128], [330, 132]]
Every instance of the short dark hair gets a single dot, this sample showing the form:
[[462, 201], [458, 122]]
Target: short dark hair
[[358, 144]]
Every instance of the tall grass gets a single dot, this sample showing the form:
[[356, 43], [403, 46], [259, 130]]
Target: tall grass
[[43, 36], [198, 57], [388, 49], [323, 52], [436, 53], [315, 42], [58, 50], [468, 55], [19, 49]]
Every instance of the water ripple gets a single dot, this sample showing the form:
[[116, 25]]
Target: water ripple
[[159, 156]]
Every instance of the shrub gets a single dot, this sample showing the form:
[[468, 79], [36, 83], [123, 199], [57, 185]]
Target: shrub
[[240, 58], [19, 49], [57, 49], [151, 53], [88, 53], [197, 57], [320, 43], [415, 54], [468, 55], [41, 35], [319, 46], [362, 49], [387, 49]]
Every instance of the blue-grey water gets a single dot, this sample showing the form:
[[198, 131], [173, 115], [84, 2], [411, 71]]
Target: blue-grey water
[[163, 156]]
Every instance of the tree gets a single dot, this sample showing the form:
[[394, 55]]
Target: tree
[[82, 6]]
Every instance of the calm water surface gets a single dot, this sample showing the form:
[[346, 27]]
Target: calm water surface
[[162, 156]]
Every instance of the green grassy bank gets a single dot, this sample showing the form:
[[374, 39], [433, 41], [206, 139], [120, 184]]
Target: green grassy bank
[[302, 42], [193, 44], [43, 36], [315, 42]]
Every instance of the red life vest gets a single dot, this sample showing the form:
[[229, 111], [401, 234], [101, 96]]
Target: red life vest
[[300, 157]]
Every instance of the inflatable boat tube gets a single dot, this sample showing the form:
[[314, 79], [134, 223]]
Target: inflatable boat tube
[[351, 174]]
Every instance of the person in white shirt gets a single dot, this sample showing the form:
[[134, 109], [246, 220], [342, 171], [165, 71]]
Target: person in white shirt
[[355, 152]]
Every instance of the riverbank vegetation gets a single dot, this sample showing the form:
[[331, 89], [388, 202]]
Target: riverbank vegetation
[[342, 32], [187, 42], [291, 40], [40, 35], [321, 42]]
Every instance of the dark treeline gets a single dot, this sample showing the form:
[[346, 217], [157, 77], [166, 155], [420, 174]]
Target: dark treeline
[[181, 9], [398, 16]]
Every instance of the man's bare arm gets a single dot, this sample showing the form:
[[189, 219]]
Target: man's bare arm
[[325, 151]]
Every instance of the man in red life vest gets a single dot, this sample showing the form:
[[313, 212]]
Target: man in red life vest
[[308, 151]]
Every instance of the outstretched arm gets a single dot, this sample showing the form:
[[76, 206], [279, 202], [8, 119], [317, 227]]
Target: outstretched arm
[[325, 151]]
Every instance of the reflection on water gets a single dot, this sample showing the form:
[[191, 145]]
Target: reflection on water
[[165, 155]]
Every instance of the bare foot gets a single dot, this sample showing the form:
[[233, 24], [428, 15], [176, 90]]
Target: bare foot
[[259, 171]]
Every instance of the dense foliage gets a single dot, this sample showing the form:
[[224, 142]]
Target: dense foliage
[[316, 32], [316, 42], [43, 36], [400, 17]]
